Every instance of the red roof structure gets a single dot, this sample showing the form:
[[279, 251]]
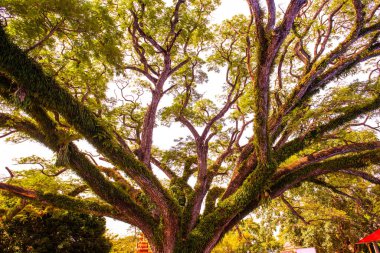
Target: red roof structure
[[374, 237], [142, 245]]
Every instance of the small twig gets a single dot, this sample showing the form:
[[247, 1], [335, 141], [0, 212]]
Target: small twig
[[293, 210], [55, 174], [7, 134], [46, 37], [10, 172]]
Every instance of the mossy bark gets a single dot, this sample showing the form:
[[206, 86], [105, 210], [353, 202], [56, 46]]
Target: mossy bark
[[171, 217]]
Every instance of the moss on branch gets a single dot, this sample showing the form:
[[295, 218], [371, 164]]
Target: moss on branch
[[53, 139], [49, 94], [350, 113], [353, 161], [43, 90]]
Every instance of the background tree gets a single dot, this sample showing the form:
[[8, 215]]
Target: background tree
[[249, 236], [25, 227], [330, 213], [298, 76], [125, 244], [331, 218], [54, 231], [333, 222]]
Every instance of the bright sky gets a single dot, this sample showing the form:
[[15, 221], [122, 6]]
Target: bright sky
[[229, 8], [9, 152]]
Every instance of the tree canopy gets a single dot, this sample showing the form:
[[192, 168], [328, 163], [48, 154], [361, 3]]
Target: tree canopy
[[330, 215], [297, 100], [58, 231], [249, 236], [26, 226]]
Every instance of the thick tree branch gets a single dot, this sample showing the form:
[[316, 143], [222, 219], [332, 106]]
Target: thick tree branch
[[38, 85], [362, 174], [81, 166], [211, 198], [189, 126], [351, 162], [22, 125], [246, 163], [18, 191], [120, 180], [256, 12], [67, 203], [325, 154], [78, 190], [271, 15], [75, 160], [205, 173], [266, 54], [299, 143], [319, 75], [168, 172]]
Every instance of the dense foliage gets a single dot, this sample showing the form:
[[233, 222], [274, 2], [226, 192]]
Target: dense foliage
[[331, 222], [27, 226], [250, 236], [57, 231], [127, 244], [253, 108]]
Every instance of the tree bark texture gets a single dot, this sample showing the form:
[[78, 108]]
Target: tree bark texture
[[171, 217]]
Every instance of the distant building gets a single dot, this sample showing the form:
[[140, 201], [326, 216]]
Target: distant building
[[295, 249], [142, 245], [371, 242]]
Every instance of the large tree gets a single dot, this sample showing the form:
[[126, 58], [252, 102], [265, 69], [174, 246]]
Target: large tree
[[303, 75]]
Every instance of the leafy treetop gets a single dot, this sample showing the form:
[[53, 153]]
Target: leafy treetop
[[299, 100]]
